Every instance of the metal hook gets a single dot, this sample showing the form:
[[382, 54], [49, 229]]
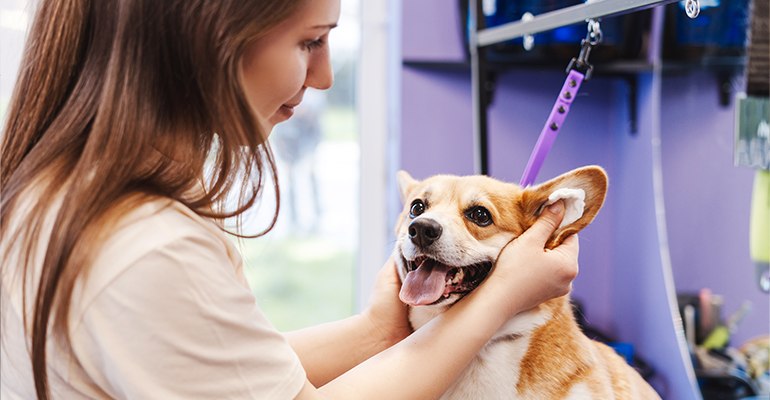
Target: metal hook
[[692, 8], [593, 38], [585, 51]]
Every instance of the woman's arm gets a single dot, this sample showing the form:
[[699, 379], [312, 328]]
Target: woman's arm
[[424, 364], [329, 350]]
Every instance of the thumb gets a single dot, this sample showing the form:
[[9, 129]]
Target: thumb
[[547, 223]]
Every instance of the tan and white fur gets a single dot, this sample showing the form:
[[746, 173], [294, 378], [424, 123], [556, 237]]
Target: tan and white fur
[[451, 224]]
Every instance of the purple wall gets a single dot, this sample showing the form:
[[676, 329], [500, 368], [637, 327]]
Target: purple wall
[[441, 41], [435, 109], [640, 303], [708, 200]]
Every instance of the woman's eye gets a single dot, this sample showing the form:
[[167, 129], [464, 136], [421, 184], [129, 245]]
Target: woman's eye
[[315, 44], [418, 207], [480, 216]]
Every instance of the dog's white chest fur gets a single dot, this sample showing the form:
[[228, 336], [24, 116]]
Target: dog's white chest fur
[[494, 372]]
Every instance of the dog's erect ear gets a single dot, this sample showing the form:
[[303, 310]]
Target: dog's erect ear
[[405, 185], [582, 190]]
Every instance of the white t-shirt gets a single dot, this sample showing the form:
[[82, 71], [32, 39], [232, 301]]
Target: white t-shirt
[[165, 313]]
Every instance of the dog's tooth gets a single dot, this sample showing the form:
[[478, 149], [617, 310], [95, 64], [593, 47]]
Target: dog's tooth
[[458, 276]]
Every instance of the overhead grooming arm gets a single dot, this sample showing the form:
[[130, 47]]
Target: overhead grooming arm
[[565, 16], [480, 38]]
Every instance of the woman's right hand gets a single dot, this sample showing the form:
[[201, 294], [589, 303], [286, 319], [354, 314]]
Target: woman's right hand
[[537, 274], [387, 314]]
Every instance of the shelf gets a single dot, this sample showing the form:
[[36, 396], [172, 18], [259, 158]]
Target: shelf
[[716, 64]]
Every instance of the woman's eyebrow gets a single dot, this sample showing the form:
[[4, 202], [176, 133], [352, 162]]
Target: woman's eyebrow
[[322, 26]]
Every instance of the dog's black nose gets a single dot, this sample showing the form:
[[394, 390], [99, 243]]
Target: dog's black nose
[[423, 232]]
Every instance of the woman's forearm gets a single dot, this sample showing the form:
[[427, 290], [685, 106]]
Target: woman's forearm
[[331, 353], [329, 350], [423, 365]]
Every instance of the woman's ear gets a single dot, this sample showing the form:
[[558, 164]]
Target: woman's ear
[[405, 185], [582, 190]]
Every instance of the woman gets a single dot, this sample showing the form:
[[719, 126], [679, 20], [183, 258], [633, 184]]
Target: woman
[[117, 281]]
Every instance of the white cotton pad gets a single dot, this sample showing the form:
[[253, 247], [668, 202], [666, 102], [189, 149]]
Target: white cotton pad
[[574, 204]]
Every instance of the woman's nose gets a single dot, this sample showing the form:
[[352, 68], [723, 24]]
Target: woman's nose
[[319, 71]]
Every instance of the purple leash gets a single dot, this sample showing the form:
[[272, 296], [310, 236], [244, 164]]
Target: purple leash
[[579, 70], [552, 126]]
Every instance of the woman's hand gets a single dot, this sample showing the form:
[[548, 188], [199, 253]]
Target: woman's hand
[[387, 314], [535, 273]]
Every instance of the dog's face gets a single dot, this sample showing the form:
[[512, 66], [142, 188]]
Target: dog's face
[[452, 228]]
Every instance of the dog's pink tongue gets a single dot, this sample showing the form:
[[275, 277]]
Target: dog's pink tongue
[[424, 285]]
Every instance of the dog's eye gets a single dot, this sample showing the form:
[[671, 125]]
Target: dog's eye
[[418, 207], [479, 215]]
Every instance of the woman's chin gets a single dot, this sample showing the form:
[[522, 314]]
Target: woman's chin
[[282, 115]]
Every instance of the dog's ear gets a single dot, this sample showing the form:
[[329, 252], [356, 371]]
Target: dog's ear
[[582, 191], [405, 185]]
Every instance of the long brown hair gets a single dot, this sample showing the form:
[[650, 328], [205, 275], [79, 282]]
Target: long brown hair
[[125, 99]]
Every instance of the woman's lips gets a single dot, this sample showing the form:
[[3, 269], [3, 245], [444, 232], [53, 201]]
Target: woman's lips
[[286, 112]]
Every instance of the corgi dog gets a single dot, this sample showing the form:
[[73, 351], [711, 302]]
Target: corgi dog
[[449, 236]]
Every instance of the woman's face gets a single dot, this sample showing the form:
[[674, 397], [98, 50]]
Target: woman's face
[[278, 67]]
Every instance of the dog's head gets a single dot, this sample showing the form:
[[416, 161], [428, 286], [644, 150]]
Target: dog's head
[[452, 228]]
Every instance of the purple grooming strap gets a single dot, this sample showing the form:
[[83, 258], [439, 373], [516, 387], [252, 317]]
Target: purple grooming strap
[[552, 127]]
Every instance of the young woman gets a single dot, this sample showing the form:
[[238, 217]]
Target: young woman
[[131, 123]]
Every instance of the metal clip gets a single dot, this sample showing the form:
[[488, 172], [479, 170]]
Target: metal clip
[[692, 8], [593, 38], [528, 40]]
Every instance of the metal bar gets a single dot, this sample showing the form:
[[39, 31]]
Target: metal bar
[[563, 17], [479, 111]]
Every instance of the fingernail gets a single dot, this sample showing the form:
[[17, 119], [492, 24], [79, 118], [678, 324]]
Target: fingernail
[[556, 207]]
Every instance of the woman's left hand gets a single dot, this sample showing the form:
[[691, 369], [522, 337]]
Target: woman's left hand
[[388, 315]]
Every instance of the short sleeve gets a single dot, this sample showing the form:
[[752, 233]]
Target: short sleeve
[[178, 324]]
